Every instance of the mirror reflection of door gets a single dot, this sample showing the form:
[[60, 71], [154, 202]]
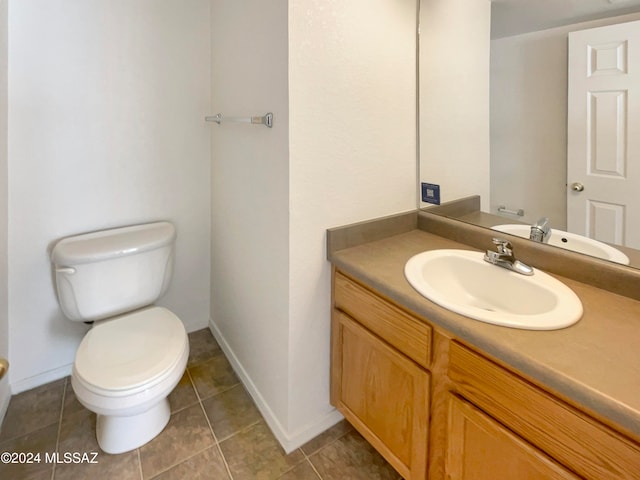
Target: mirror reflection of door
[[603, 148]]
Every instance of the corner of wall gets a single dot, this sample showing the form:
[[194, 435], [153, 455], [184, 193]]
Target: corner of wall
[[289, 441]]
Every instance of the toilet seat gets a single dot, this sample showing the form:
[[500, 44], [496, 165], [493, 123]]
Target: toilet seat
[[130, 353]]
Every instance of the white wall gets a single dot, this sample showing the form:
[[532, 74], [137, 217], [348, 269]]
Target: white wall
[[250, 198], [352, 97], [341, 86], [454, 97], [5, 391], [529, 121], [106, 107]]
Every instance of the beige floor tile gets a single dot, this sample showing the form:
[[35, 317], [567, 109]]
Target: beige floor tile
[[78, 436], [209, 393], [31, 410], [352, 457], [183, 395], [338, 430], [304, 471], [213, 376], [202, 346], [78, 433], [124, 466], [35, 446], [72, 406], [230, 411], [207, 465], [187, 433], [254, 454]]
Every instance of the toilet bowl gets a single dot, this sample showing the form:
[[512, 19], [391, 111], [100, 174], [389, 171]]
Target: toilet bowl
[[124, 370], [135, 353]]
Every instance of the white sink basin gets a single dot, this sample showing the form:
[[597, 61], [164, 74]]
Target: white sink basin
[[461, 281], [570, 241]]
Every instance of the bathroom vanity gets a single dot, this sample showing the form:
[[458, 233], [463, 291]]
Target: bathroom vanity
[[442, 396]]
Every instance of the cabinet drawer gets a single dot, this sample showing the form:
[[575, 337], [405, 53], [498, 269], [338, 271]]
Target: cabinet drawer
[[579, 442], [409, 335]]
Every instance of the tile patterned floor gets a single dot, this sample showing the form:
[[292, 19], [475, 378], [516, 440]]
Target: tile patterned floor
[[215, 432]]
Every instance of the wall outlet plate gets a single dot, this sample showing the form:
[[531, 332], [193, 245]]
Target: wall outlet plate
[[430, 193]]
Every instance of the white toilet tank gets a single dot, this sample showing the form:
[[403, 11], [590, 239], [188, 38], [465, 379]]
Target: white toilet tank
[[105, 273]]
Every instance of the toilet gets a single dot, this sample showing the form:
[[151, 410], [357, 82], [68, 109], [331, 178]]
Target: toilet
[[135, 353]]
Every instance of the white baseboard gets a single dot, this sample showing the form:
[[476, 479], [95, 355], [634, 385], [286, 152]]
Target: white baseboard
[[287, 440], [40, 379], [311, 430]]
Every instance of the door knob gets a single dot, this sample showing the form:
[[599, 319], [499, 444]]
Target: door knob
[[577, 187], [4, 366]]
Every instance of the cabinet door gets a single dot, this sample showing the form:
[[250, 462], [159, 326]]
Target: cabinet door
[[574, 439], [480, 448], [383, 394]]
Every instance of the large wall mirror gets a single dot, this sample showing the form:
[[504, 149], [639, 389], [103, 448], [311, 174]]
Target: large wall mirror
[[534, 107]]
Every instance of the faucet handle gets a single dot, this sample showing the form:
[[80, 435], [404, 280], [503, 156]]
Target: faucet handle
[[540, 230], [504, 246], [542, 223]]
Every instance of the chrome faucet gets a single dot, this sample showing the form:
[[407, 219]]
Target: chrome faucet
[[540, 230], [504, 258]]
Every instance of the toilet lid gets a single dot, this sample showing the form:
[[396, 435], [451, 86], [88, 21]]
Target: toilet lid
[[131, 350]]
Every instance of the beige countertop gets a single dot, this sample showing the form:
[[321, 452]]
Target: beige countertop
[[594, 363]]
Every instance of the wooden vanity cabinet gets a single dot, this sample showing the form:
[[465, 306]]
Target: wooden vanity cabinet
[[480, 448], [379, 389], [486, 421], [569, 436]]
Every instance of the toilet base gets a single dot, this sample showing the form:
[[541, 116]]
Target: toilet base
[[122, 434]]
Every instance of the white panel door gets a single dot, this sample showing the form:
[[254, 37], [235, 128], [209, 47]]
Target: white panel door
[[603, 148]]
